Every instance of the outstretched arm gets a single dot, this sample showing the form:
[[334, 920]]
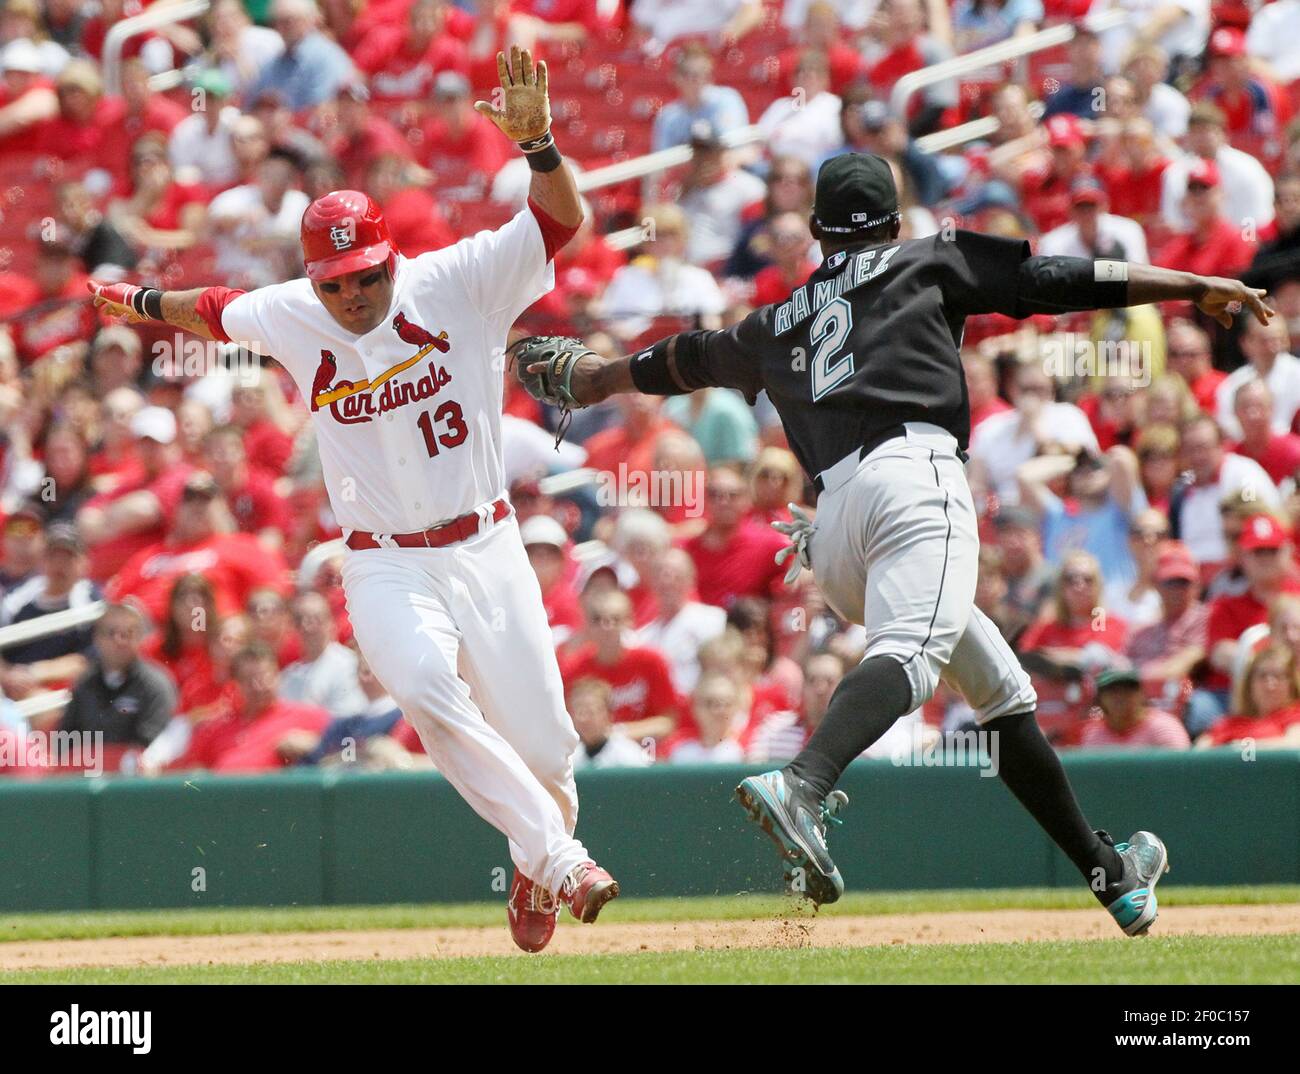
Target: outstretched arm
[[1059, 284], [182, 309], [525, 118]]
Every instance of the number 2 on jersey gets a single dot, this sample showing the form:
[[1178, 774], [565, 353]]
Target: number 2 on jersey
[[456, 431], [830, 328]]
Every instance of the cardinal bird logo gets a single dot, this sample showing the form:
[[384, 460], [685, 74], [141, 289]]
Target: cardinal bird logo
[[417, 336], [324, 377]]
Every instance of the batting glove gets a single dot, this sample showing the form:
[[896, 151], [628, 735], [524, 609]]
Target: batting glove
[[120, 301], [799, 550]]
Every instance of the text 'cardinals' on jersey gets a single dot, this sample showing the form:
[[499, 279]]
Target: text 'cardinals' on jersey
[[408, 416]]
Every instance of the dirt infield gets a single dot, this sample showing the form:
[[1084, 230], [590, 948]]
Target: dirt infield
[[614, 937]]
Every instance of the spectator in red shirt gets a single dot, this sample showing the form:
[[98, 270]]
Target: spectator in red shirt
[[145, 112], [81, 134], [414, 219], [362, 136], [1127, 722], [1267, 706], [1263, 546], [234, 563], [136, 511], [456, 138], [1187, 349], [266, 443], [643, 701], [1045, 191], [27, 98], [792, 262], [248, 739], [157, 212], [909, 48], [401, 61], [249, 491], [1080, 636], [1248, 102], [822, 31], [271, 625], [1213, 245], [546, 544], [628, 446], [734, 554], [1277, 453], [54, 312], [182, 644]]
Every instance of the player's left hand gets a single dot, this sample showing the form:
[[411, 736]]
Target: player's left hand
[[526, 111], [1223, 298], [799, 551]]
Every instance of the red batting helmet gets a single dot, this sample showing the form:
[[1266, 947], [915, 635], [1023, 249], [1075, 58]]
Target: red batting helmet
[[344, 231]]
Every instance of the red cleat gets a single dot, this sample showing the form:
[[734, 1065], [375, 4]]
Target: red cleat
[[586, 890], [532, 911]]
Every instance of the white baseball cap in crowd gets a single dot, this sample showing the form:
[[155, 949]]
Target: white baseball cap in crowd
[[542, 529], [155, 422], [22, 55]]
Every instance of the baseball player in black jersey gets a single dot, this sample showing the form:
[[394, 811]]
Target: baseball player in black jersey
[[862, 364]]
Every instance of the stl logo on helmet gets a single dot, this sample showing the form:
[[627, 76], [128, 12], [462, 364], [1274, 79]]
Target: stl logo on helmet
[[341, 237]]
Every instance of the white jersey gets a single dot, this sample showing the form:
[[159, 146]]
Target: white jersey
[[408, 416]]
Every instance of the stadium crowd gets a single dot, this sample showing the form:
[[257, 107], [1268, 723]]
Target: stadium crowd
[[1135, 470]]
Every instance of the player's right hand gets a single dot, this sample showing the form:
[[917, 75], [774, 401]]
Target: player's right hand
[[800, 530], [116, 299], [1223, 298]]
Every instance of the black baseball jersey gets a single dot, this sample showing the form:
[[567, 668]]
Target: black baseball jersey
[[869, 342]]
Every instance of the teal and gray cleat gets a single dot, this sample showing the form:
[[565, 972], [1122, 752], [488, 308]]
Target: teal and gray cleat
[[1132, 899], [795, 819]]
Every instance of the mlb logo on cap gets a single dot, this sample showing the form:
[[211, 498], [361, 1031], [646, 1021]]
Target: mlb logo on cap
[[859, 218]]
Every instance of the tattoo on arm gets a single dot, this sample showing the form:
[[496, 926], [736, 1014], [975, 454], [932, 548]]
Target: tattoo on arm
[[180, 308]]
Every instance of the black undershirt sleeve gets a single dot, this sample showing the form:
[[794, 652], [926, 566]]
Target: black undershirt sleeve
[[991, 274], [689, 361]]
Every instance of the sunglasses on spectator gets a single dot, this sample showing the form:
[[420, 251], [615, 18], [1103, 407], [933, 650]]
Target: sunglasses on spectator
[[1078, 578], [724, 494], [1148, 536]]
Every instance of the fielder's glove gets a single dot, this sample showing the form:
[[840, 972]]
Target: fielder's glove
[[799, 550], [557, 356]]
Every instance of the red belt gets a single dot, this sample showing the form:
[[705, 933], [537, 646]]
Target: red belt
[[435, 536]]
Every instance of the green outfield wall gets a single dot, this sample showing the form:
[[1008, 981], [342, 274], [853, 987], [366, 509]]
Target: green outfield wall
[[315, 837]]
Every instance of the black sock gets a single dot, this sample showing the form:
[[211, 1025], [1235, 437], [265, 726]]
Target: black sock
[[1032, 771], [864, 706]]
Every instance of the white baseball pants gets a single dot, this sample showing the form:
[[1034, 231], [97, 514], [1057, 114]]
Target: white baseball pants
[[897, 549], [459, 637]]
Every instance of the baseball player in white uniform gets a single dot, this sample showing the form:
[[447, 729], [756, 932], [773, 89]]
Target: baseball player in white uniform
[[400, 361]]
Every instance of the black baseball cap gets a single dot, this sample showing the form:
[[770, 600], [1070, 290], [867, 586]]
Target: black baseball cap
[[855, 191]]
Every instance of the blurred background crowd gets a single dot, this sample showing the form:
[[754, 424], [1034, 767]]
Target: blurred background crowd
[[1135, 470]]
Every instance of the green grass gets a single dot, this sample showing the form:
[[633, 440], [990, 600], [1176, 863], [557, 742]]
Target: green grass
[[1172, 960], [231, 920]]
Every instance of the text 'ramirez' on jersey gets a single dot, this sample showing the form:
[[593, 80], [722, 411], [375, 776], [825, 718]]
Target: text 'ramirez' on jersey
[[869, 342]]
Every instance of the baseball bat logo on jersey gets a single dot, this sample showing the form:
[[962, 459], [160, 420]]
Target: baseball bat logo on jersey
[[351, 402]]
